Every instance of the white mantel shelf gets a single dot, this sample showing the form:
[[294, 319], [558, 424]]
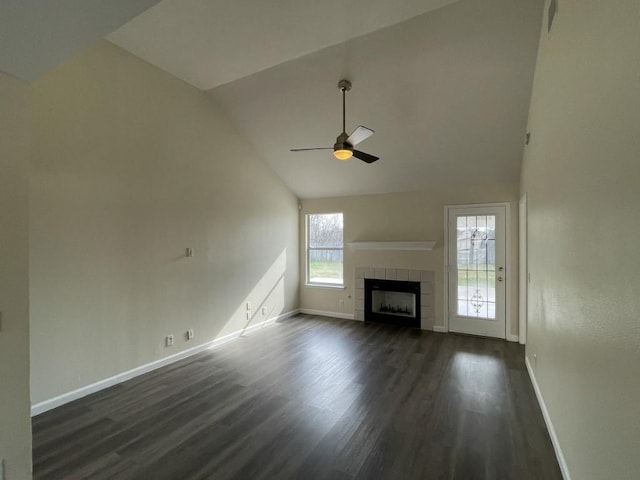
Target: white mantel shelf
[[428, 245]]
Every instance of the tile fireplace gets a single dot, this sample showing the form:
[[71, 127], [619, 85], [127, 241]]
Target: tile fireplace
[[395, 296]]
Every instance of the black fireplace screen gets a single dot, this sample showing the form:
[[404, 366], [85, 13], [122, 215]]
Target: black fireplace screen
[[392, 301]]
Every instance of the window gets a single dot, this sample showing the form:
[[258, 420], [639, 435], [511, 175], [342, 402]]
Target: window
[[325, 249]]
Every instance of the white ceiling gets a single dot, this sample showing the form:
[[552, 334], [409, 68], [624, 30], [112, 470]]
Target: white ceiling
[[445, 84], [447, 93], [36, 35], [211, 42]]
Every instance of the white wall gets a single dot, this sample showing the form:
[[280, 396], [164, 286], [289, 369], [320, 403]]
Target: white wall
[[581, 173], [409, 216], [15, 421], [132, 166]]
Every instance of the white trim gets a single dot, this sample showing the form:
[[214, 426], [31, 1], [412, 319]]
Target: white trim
[[60, 400], [511, 337], [307, 248], [523, 280], [325, 285], [445, 289], [440, 328], [477, 205], [426, 245], [547, 420], [509, 269], [326, 313]]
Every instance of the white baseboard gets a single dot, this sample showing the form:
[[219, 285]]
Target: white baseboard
[[326, 313], [442, 329], [547, 420], [60, 400]]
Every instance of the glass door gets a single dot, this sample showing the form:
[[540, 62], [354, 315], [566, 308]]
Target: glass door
[[477, 270]]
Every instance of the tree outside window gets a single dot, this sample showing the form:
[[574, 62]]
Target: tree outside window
[[325, 249]]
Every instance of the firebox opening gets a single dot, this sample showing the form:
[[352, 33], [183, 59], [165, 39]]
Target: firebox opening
[[393, 302]]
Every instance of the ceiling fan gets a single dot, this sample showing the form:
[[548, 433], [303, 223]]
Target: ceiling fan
[[343, 148]]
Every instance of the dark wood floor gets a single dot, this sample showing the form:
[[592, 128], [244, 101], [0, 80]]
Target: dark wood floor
[[311, 398]]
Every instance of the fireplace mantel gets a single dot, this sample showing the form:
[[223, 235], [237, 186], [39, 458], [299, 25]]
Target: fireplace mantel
[[426, 245]]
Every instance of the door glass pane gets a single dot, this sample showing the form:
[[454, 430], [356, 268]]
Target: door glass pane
[[476, 251]]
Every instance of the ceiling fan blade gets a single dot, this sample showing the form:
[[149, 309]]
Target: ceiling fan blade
[[365, 157], [308, 149], [360, 134]]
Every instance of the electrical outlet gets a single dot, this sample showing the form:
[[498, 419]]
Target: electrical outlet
[[169, 340], [341, 303], [265, 310], [248, 306], [190, 334]]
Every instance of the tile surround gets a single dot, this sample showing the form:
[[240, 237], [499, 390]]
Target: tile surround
[[425, 277]]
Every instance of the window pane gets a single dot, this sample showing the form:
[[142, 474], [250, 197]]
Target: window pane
[[476, 265], [325, 230], [325, 266]]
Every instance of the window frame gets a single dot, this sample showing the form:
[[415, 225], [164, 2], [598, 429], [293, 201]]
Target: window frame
[[309, 249]]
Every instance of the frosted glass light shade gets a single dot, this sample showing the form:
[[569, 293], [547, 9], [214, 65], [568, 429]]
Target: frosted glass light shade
[[343, 154]]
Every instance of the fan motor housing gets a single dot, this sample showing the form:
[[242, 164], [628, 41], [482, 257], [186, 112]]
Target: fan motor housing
[[342, 146]]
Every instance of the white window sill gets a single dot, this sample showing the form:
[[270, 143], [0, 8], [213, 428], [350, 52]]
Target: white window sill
[[324, 285]]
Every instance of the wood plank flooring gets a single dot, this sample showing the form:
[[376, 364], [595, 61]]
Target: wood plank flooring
[[311, 398]]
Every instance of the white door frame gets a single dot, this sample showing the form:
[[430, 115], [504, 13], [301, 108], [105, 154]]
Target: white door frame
[[508, 269], [523, 269]]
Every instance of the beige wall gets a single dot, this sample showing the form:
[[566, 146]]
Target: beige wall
[[15, 421], [582, 176], [132, 166], [403, 217]]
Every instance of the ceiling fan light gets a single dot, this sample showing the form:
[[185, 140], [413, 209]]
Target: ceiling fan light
[[342, 154]]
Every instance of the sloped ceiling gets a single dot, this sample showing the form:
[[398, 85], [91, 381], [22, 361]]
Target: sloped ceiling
[[211, 42], [445, 84], [37, 35], [447, 93]]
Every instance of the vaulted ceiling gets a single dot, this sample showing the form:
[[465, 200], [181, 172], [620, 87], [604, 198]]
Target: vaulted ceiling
[[444, 83], [211, 42], [35, 36]]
